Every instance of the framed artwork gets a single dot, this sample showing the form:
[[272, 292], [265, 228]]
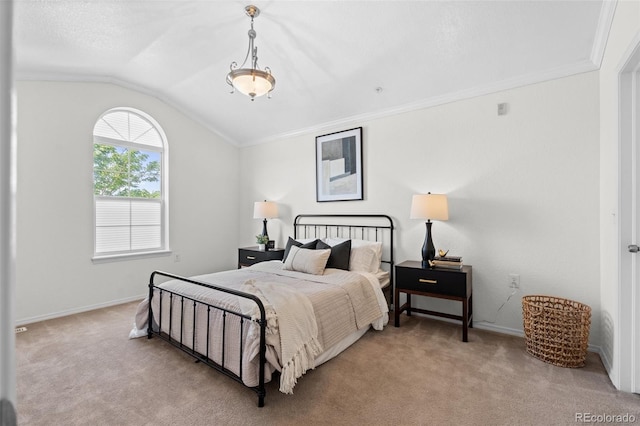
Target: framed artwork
[[339, 166]]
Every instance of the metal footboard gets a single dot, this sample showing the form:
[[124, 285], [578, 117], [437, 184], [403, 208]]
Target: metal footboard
[[189, 347]]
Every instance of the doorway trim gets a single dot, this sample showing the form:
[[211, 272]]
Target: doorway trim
[[627, 346], [7, 217]]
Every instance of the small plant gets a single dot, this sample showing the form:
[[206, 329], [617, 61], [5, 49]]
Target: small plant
[[262, 239]]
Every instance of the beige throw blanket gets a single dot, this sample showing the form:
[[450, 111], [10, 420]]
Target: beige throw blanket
[[290, 316]]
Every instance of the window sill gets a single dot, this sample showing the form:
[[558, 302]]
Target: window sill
[[129, 256]]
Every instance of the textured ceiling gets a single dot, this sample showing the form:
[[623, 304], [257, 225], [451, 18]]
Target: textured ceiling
[[328, 57]]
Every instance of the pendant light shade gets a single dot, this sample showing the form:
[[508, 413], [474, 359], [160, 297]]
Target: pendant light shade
[[251, 81]]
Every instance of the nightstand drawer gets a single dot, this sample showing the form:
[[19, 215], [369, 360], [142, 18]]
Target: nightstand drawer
[[451, 283], [250, 255]]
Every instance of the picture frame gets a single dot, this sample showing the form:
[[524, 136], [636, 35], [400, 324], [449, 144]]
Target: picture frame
[[339, 166]]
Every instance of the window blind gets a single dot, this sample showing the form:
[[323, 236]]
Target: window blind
[[125, 224]]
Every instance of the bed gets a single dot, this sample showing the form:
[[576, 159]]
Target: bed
[[280, 318]]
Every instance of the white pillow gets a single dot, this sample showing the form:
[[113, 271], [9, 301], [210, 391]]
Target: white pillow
[[363, 259], [306, 260], [360, 259], [375, 245]]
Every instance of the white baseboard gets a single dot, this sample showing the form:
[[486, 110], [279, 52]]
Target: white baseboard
[[483, 325], [520, 333], [24, 321]]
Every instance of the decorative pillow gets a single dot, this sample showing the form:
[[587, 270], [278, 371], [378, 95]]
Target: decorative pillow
[[376, 246], [340, 254], [363, 259], [306, 240], [360, 259], [306, 260], [293, 243]]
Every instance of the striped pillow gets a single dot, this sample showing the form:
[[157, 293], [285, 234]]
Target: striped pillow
[[306, 260]]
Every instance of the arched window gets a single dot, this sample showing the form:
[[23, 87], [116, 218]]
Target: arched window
[[129, 184]]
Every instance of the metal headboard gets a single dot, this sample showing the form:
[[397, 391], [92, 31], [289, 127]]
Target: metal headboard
[[370, 227]]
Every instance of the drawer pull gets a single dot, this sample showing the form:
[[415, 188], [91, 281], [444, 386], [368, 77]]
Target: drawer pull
[[251, 257], [422, 280]]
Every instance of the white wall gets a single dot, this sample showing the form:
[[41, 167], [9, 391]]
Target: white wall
[[523, 190], [625, 27], [55, 274]]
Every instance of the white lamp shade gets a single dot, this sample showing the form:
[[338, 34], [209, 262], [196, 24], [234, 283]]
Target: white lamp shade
[[430, 206], [265, 210]]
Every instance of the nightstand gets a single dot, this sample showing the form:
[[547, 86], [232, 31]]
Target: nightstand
[[452, 284], [247, 256]]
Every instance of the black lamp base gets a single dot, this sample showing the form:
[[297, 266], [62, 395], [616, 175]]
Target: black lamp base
[[264, 232], [428, 249]]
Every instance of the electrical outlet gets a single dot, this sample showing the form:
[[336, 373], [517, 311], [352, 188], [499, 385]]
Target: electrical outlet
[[177, 258], [514, 281]]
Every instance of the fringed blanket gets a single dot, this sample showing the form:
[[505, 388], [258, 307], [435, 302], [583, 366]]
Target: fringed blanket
[[290, 316]]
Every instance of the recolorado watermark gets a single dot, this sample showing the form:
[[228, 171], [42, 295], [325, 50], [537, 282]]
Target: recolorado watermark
[[605, 418]]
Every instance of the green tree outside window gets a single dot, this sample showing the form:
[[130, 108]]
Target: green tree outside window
[[126, 172]]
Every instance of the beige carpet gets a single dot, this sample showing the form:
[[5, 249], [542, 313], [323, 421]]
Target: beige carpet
[[83, 370]]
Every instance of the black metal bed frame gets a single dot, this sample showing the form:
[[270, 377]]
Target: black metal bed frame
[[299, 223]]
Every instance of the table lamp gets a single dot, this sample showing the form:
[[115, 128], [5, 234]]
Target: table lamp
[[431, 207], [265, 210]]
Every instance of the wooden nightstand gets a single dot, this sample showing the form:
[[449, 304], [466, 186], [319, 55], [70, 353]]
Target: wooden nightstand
[[247, 256], [412, 278]]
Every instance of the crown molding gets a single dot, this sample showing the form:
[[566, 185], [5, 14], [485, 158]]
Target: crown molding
[[605, 21], [512, 83]]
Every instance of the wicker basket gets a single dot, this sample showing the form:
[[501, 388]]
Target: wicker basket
[[556, 330]]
